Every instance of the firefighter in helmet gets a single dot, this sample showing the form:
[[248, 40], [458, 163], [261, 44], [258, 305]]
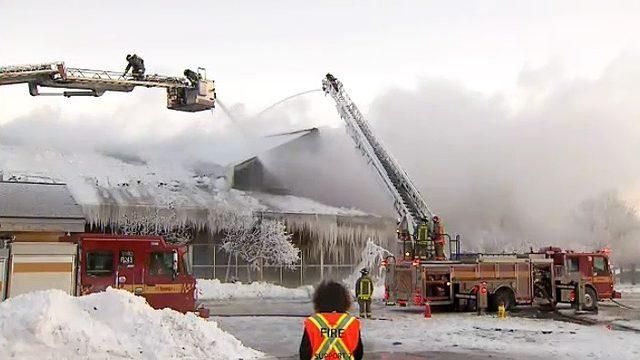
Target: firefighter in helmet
[[192, 76], [438, 237], [423, 239], [136, 65], [364, 292], [331, 333]]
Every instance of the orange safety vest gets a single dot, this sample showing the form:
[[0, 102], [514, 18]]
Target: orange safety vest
[[333, 336]]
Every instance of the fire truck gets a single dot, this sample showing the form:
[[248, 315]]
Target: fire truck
[[87, 263], [421, 272], [545, 278]]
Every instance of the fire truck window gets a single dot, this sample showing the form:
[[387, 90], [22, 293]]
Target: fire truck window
[[160, 263], [599, 265], [572, 265], [100, 263]]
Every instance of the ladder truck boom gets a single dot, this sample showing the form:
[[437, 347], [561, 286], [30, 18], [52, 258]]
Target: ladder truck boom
[[407, 200], [182, 95]]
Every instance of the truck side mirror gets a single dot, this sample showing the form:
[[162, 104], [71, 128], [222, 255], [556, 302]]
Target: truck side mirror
[[174, 263]]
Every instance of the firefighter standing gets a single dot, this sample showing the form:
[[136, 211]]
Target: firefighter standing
[[438, 236], [331, 333], [364, 292], [423, 239], [136, 64]]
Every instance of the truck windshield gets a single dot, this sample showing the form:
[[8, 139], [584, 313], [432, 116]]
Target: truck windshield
[[600, 266], [187, 264], [160, 263]]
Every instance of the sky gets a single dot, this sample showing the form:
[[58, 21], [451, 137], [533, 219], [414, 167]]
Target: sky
[[259, 52], [526, 108]]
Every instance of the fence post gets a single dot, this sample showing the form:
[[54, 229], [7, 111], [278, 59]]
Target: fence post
[[301, 268], [214, 261], [321, 264]]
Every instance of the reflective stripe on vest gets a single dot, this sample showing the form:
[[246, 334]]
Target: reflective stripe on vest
[[331, 336], [365, 295]]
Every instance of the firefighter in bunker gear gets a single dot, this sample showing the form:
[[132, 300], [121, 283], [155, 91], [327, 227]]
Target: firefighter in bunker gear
[[423, 240], [331, 333], [438, 237], [364, 292], [136, 64], [192, 76]]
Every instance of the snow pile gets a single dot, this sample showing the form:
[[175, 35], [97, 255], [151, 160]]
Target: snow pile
[[215, 290], [109, 325]]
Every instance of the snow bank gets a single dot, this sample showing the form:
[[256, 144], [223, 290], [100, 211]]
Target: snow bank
[[215, 290], [109, 325]]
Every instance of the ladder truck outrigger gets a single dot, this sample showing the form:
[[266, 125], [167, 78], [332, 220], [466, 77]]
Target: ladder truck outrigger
[[420, 273], [182, 94]]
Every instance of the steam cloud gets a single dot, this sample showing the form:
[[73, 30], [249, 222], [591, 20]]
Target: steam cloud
[[505, 179]]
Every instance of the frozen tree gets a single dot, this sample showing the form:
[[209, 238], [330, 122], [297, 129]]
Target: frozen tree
[[158, 221], [370, 258], [608, 221], [260, 242]]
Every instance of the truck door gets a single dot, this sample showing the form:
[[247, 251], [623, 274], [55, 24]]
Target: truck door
[[129, 274], [161, 287], [601, 276]]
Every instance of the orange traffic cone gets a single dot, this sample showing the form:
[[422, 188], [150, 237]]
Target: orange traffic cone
[[427, 310]]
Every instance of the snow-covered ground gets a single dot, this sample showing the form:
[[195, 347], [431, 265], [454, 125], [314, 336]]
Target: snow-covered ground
[[628, 288], [109, 325], [216, 290], [407, 332]]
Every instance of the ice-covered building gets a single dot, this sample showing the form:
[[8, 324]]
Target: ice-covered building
[[320, 207]]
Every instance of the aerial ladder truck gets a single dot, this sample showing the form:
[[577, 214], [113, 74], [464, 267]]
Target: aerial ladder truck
[[182, 94], [420, 235], [420, 273]]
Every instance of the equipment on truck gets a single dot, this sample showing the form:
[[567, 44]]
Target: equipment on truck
[[88, 263], [191, 95]]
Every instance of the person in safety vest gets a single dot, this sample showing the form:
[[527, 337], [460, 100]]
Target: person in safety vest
[[331, 333], [423, 239], [364, 291]]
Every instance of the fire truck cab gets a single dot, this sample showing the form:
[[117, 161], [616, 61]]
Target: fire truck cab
[[143, 265], [592, 267]]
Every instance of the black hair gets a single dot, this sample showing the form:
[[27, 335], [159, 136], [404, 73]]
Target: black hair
[[331, 296]]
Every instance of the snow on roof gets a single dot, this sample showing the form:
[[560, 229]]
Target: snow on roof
[[37, 200], [108, 188]]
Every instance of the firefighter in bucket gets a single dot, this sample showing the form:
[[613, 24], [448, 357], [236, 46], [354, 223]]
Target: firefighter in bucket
[[331, 333]]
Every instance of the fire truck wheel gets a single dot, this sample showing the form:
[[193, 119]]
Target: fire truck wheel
[[504, 296], [590, 299]]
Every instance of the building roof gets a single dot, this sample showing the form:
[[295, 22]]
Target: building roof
[[29, 206]]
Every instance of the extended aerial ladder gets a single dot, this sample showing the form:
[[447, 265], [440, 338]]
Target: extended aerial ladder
[[407, 200], [182, 94]]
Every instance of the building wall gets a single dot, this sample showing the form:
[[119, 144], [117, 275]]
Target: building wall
[[211, 262]]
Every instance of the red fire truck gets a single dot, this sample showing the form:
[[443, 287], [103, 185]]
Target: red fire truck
[[546, 277], [88, 263]]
